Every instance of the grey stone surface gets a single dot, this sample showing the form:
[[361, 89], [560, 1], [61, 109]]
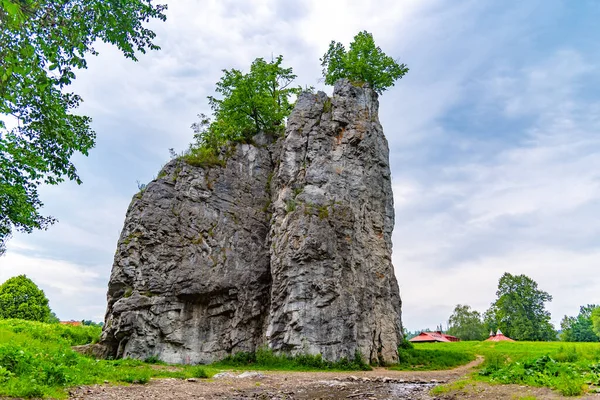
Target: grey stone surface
[[288, 246], [334, 290], [191, 278]]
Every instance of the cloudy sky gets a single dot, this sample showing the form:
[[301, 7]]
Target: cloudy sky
[[494, 141]]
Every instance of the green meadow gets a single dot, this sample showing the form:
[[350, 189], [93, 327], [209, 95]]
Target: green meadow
[[569, 368], [36, 360]]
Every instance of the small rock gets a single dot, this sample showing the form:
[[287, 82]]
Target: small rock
[[221, 375], [250, 375], [192, 380]]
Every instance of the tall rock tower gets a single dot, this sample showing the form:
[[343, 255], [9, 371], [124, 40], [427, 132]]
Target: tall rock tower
[[288, 245]]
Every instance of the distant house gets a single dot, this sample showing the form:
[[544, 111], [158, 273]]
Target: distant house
[[498, 337], [437, 336], [72, 323]]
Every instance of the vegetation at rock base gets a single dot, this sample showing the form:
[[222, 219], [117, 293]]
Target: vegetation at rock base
[[21, 298], [363, 62], [429, 359], [519, 310], [466, 324], [250, 103], [42, 44]]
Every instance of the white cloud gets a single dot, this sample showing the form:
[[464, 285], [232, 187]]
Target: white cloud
[[73, 290], [528, 209], [494, 153]]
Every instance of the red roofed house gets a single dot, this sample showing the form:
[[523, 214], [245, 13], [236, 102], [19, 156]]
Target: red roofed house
[[436, 336], [72, 323], [498, 337]]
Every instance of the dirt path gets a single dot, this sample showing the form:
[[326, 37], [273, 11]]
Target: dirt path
[[378, 384]]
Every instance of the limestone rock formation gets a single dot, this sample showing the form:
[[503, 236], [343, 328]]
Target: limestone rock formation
[[287, 246]]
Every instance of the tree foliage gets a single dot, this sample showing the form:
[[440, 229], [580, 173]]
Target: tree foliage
[[596, 321], [21, 298], [252, 102], [579, 328], [519, 310], [42, 44], [364, 62], [466, 324]]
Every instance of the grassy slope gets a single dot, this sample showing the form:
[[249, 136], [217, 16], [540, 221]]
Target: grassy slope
[[36, 360]]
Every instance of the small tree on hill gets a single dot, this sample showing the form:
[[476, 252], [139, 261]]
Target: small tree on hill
[[21, 298], [364, 62], [519, 310], [466, 324]]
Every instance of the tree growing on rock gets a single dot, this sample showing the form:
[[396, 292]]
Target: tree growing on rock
[[519, 310], [252, 102], [42, 43], [364, 62], [466, 324], [21, 298]]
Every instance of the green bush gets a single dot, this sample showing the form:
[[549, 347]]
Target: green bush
[[430, 359], [199, 372], [202, 156], [566, 377], [265, 358], [21, 298]]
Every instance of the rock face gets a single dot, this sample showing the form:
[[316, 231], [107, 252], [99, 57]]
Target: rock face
[[287, 246]]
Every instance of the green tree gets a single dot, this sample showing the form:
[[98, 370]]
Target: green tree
[[580, 328], [255, 101], [252, 102], [519, 310], [21, 298], [364, 62], [466, 324], [42, 44], [596, 321]]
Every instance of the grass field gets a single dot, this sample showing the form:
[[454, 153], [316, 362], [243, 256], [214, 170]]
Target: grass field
[[36, 360], [570, 368]]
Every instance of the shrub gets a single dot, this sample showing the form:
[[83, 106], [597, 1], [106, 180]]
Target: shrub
[[199, 372], [21, 298], [202, 156], [266, 358]]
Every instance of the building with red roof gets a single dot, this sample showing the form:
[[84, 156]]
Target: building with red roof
[[72, 323], [498, 337], [430, 337]]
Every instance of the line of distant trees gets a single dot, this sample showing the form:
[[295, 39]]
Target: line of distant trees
[[520, 312]]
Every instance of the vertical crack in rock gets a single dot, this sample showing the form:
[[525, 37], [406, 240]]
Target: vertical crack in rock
[[287, 246]]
